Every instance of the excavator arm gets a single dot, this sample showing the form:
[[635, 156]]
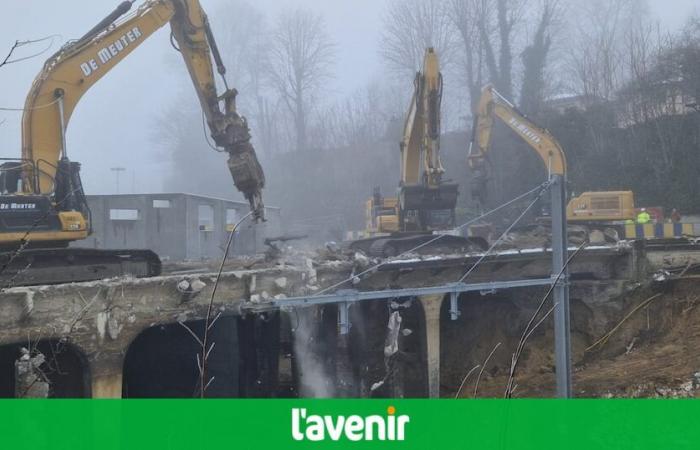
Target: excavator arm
[[77, 66], [492, 106], [426, 202], [421, 135]]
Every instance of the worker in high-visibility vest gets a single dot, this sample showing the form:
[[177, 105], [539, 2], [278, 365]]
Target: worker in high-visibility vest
[[643, 217]]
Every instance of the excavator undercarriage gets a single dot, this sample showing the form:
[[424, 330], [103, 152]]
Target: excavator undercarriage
[[31, 254], [23, 267]]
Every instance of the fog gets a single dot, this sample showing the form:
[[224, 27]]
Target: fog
[[113, 125], [116, 123]]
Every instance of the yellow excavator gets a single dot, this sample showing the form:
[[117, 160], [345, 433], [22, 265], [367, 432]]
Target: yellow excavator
[[42, 204], [426, 202], [609, 212]]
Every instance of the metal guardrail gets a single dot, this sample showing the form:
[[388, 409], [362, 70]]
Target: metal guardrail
[[353, 296]]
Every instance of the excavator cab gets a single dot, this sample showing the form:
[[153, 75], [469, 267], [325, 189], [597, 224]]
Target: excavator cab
[[65, 211], [11, 175], [428, 209]]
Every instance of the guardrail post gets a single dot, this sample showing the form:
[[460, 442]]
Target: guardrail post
[[562, 325]]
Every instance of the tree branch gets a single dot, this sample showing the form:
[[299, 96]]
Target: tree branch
[[8, 59]]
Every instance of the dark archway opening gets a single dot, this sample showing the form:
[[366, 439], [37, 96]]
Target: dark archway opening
[[162, 361], [65, 368]]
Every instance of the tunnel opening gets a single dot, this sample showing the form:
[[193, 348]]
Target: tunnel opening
[[63, 373], [161, 362]]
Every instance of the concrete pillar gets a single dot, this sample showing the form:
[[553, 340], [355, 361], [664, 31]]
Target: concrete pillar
[[107, 386], [106, 376], [431, 310]]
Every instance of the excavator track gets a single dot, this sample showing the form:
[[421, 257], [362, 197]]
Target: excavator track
[[69, 265], [393, 245]]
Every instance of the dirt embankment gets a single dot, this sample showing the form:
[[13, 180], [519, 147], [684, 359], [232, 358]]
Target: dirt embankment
[[642, 344]]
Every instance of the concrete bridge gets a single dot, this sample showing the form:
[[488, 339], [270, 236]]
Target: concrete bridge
[[126, 337]]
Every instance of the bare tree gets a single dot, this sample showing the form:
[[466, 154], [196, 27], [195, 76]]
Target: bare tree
[[489, 33], [598, 54], [410, 26], [465, 16], [245, 52], [532, 90], [10, 59], [508, 13], [359, 121], [301, 56], [7, 59]]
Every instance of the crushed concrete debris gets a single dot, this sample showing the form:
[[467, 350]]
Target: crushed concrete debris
[[376, 385], [661, 276], [31, 382], [361, 260], [183, 286], [596, 237], [311, 271], [197, 285], [190, 288], [391, 344]]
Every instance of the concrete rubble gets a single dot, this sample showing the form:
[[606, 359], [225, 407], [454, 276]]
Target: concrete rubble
[[102, 319]]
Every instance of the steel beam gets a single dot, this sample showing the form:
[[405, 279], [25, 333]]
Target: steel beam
[[351, 295], [562, 326]]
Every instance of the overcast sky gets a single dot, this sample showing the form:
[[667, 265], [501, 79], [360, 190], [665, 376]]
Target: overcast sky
[[113, 124]]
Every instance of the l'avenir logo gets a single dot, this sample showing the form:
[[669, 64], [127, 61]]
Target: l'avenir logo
[[313, 427]]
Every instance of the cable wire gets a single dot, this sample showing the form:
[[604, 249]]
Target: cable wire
[[206, 137], [439, 236], [46, 105], [503, 235]]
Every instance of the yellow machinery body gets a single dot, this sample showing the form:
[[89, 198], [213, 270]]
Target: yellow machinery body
[[382, 215], [42, 204], [425, 203], [601, 207]]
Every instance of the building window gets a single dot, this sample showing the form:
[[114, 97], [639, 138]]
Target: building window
[[161, 203], [231, 219], [206, 218], [123, 214]]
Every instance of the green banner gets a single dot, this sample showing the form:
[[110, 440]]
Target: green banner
[[349, 424]]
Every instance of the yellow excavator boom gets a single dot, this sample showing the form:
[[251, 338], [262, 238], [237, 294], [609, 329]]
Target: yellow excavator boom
[[493, 105], [425, 202], [421, 135], [601, 206], [48, 210], [78, 65]]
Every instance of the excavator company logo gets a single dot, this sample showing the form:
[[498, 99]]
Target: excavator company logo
[[527, 132], [17, 206], [313, 427], [110, 51]]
